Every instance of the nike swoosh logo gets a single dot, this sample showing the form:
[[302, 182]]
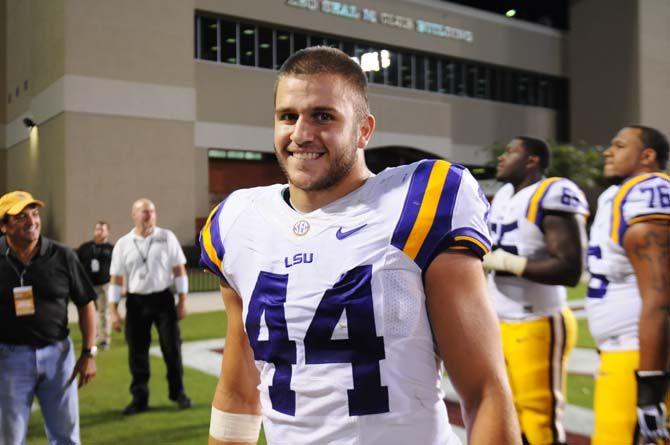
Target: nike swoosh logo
[[342, 235]]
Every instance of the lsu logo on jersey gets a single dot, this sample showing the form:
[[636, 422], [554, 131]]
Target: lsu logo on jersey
[[298, 258]]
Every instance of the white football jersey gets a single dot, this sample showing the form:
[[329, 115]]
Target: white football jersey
[[334, 303], [516, 226], [613, 304]]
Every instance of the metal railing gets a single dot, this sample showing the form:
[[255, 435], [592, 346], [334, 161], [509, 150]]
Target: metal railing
[[201, 281]]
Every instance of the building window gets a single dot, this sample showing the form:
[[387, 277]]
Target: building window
[[406, 71], [391, 68], [431, 73], [419, 72], [522, 89], [459, 78], [248, 45], [209, 31], [233, 41], [509, 81], [482, 83], [448, 76], [300, 41], [229, 41], [333, 43], [283, 45], [495, 84], [374, 61], [265, 48]]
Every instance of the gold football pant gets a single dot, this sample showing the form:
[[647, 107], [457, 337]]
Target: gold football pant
[[615, 400], [536, 355]]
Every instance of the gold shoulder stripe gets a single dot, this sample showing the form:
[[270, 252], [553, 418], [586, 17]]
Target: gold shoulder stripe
[[617, 216], [534, 206], [428, 209], [207, 239], [473, 241], [652, 217]]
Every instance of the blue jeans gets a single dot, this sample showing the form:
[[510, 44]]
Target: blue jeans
[[26, 372]]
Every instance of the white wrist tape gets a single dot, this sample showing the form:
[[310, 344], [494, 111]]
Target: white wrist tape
[[233, 427], [503, 261], [113, 293], [181, 284]]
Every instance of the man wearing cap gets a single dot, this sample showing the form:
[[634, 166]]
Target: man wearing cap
[[37, 278]]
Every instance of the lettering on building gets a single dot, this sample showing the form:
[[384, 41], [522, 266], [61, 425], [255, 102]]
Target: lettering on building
[[351, 11]]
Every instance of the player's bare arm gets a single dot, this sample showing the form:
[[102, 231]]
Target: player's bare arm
[[564, 263], [647, 246], [236, 391], [468, 339]]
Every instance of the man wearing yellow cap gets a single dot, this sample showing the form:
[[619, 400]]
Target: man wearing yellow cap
[[37, 278]]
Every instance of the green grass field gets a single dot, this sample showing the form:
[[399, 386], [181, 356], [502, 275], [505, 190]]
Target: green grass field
[[103, 399], [578, 292]]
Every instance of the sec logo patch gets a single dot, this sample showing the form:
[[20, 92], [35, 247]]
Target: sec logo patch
[[301, 227]]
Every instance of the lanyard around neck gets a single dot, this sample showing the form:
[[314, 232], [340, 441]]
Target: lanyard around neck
[[144, 257], [11, 264]]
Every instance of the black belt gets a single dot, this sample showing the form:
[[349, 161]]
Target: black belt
[[153, 294], [34, 344]]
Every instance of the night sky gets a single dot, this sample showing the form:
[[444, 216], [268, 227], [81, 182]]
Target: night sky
[[552, 13]]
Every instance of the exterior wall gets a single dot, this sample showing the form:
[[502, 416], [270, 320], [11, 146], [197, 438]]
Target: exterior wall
[[3, 69], [495, 38], [38, 165], [32, 58], [114, 160], [654, 59], [201, 182], [35, 47], [124, 110], [130, 100], [148, 41], [603, 68], [455, 127], [3, 94], [476, 125], [3, 171]]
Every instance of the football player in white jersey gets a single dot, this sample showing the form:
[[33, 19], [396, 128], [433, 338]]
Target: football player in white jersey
[[629, 291], [345, 290], [537, 227]]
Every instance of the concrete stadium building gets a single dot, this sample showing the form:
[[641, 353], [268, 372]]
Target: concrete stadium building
[[172, 99]]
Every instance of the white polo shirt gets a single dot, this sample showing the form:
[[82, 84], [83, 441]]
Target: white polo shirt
[[147, 263]]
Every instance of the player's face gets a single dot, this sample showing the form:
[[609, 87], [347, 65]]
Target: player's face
[[144, 214], [512, 163], [623, 156], [100, 233], [25, 226], [317, 130]]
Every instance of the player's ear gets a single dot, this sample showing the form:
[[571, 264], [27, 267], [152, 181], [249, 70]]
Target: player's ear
[[533, 161], [648, 157], [365, 130]]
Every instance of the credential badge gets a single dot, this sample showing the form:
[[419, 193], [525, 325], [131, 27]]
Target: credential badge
[[301, 227]]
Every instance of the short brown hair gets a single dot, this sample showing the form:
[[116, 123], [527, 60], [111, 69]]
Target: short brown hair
[[327, 60], [102, 223]]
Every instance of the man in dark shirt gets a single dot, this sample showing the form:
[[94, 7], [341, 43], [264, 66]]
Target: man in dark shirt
[[37, 277], [96, 256]]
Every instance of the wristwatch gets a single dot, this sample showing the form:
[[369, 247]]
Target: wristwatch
[[91, 352]]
